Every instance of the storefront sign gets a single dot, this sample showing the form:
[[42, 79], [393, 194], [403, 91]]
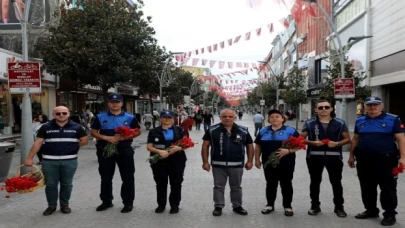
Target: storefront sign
[[126, 91], [313, 92], [24, 77], [344, 88]]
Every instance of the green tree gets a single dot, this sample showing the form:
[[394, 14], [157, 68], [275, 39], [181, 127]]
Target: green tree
[[327, 92], [295, 92], [103, 42], [179, 86]]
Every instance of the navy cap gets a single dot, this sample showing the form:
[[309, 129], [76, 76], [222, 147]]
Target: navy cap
[[274, 111], [114, 97], [167, 113], [372, 100]]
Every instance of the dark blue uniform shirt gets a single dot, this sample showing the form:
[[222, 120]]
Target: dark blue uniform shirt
[[270, 141], [377, 136], [107, 122]]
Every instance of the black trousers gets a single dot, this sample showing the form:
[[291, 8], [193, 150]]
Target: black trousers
[[163, 171], [334, 166], [125, 161], [377, 170], [273, 176]]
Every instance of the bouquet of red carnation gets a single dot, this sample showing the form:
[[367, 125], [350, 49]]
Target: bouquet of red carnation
[[111, 149], [290, 143], [21, 183], [184, 143], [398, 170]]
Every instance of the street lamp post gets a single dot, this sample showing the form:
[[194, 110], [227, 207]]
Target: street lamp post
[[27, 138], [332, 27]]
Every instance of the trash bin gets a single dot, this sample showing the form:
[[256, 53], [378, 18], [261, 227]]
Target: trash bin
[[6, 156]]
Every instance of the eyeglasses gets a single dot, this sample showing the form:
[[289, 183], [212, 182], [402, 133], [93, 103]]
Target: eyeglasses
[[323, 107], [61, 113]]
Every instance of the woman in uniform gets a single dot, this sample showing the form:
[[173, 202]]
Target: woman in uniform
[[269, 140], [171, 166]]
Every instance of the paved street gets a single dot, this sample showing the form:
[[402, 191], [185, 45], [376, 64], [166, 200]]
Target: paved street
[[196, 207]]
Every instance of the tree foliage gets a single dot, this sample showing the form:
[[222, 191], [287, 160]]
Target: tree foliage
[[295, 92], [179, 86], [104, 42], [334, 72]]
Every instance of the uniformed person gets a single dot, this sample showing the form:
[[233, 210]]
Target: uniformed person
[[269, 140], [172, 166], [103, 129], [327, 155], [229, 143], [377, 136]]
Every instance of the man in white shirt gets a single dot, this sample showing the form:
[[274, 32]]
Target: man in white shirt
[[258, 119], [155, 117], [147, 119]]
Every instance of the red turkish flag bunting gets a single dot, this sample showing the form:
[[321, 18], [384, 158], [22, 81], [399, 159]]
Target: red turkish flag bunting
[[222, 44], [230, 65], [230, 42], [311, 11], [247, 36], [237, 39], [185, 60], [221, 64], [202, 50], [204, 62], [195, 61], [258, 31], [212, 63], [189, 53], [215, 47], [178, 58], [271, 28], [196, 52], [239, 65], [246, 65], [209, 49]]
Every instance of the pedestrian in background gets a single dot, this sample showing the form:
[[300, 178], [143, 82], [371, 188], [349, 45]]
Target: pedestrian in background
[[60, 140], [208, 120], [172, 166], [377, 136], [103, 129], [326, 136], [269, 140], [258, 120], [229, 144]]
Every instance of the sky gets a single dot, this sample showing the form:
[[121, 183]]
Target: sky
[[187, 25]]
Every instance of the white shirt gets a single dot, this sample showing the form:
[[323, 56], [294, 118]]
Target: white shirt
[[258, 118]]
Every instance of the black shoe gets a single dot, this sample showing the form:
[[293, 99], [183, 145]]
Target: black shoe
[[288, 212], [389, 220], [104, 206], [340, 212], [65, 209], [240, 211], [366, 215], [174, 210], [49, 211], [159, 209], [217, 211], [314, 210], [267, 210], [127, 208]]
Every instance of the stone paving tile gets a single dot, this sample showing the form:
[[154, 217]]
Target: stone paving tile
[[25, 210]]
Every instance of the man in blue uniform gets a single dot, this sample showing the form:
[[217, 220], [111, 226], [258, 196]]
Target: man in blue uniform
[[377, 136], [59, 141], [103, 129], [229, 143], [325, 154]]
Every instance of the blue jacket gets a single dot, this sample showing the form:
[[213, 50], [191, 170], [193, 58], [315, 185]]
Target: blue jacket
[[332, 132], [61, 143], [228, 149]]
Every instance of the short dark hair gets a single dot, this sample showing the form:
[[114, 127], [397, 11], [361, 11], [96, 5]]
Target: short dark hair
[[322, 100]]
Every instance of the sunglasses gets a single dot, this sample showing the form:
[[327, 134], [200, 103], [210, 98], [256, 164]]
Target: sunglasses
[[323, 107], [61, 113]]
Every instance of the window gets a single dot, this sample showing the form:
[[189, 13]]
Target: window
[[349, 12]]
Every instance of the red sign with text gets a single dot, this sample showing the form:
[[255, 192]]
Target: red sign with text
[[344, 88], [24, 77]]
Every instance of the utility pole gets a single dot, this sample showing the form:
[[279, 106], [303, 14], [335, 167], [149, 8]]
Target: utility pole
[[27, 138], [339, 48]]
